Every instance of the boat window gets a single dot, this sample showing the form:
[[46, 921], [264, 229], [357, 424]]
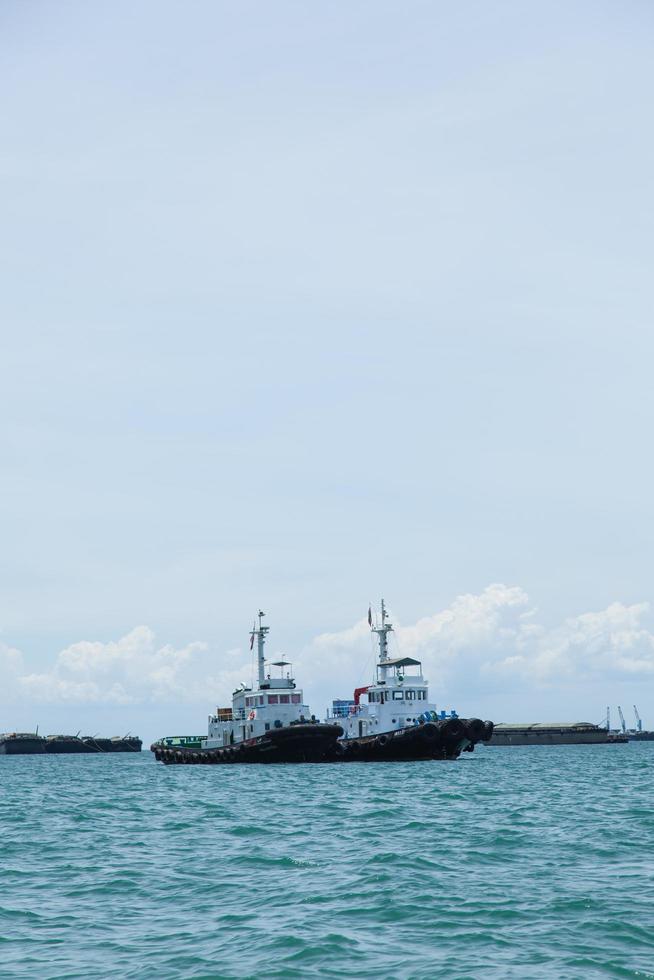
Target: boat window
[[261, 699], [284, 699], [267, 726], [398, 695], [273, 699], [410, 695], [421, 695], [249, 701], [296, 699]]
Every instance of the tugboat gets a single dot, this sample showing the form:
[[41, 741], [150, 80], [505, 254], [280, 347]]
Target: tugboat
[[267, 723], [398, 722]]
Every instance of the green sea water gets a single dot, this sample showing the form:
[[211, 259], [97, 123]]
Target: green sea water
[[524, 862]]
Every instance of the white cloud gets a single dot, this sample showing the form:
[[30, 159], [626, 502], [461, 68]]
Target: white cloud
[[491, 640], [133, 670]]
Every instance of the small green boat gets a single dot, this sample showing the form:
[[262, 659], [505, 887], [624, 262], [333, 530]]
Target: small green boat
[[179, 742]]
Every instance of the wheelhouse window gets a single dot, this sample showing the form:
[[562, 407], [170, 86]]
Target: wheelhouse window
[[250, 701], [421, 695], [398, 695], [284, 699], [296, 699], [261, 699], [273, 699], [410, 695]]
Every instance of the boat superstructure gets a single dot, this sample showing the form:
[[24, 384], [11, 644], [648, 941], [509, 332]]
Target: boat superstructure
[[275, 702], [398, 696]]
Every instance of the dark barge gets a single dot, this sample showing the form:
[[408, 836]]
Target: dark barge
[[555, 733], [22, 743]]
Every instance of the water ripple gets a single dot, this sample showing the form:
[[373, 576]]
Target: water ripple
[[525, 863]]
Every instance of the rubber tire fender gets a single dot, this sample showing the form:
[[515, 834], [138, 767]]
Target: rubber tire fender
[[429, 731], [475, 728], [453, 729]]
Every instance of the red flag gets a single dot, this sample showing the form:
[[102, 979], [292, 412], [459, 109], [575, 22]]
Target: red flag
[[369, 615]]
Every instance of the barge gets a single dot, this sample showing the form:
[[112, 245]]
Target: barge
[[22, 743], [554, 733]]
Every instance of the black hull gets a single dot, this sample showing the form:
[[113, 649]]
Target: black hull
[[295, 744], [440, 740], [22, 746], [319, 743], [641, 736]]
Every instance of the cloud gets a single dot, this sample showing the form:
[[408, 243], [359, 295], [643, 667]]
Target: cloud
[[493, 639], [609, 643], [132, 670], [481, 642]]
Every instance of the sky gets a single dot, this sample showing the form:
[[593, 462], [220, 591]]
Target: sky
[[306, 304]]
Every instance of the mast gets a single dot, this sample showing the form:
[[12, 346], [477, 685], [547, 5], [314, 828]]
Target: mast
[[382, 634], [260, 634]]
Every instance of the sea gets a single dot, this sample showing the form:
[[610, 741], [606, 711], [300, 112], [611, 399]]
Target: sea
[[511, 862]]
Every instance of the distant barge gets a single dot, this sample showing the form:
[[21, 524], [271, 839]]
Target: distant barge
[[554, 733], [30, 743]]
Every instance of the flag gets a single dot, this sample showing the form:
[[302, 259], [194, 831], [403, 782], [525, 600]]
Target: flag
[[369, 615], [251, 640]]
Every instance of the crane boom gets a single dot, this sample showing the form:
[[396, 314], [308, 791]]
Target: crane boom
[[639, 724], [622, 721]]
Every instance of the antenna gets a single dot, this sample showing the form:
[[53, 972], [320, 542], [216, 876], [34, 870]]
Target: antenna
[[382, 633], [260, 633]]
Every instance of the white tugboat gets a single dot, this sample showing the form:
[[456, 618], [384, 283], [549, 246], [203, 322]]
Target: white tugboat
[[397, 720], [266, 723]]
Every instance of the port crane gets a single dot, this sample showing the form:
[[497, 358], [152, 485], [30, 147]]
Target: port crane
[[622, 721], [639, 724]]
